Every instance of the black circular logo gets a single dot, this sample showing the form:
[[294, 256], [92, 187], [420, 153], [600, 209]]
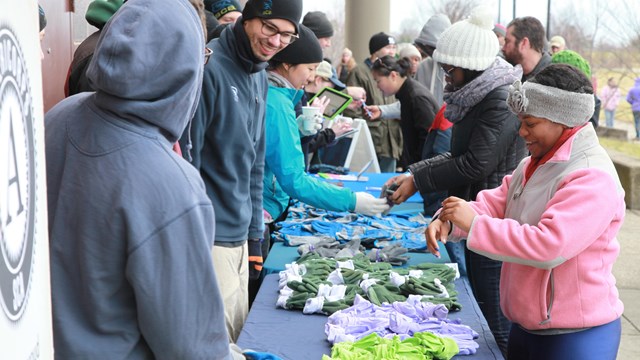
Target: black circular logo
[[17, 178]]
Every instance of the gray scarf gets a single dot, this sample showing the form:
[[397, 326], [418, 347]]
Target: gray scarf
[[459, 102]]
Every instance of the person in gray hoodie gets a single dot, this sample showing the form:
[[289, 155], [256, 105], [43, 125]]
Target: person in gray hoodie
[[130, 224]]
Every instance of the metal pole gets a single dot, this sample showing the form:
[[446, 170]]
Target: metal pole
[[548, 19], [514, 9]]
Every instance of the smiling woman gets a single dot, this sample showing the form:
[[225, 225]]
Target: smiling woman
[[554, 225]]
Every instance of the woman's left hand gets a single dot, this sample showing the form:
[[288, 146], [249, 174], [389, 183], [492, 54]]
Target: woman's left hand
[[458, 211]]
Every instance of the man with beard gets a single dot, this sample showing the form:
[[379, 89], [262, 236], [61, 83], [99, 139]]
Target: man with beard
[[524, 45]]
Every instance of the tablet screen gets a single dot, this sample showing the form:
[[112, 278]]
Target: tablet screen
[[337, 102]]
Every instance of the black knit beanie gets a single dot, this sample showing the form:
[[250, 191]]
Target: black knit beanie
[[380, 40], [273, 9], [221, 7], [318, 22], [305, 50]]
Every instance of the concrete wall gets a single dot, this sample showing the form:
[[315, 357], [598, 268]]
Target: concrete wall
[[363, 18], [628, 169]]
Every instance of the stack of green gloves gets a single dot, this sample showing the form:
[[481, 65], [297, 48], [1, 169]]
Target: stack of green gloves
[[422, 346]]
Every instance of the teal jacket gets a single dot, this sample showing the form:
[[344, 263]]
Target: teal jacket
[[284, 174]]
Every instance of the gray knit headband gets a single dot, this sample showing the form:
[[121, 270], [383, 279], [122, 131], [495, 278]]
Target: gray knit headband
[[560, 106]]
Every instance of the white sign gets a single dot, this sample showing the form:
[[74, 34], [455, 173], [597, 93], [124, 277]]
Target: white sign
[[25, 293]]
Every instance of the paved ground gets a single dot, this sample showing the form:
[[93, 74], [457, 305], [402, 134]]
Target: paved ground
[[627, 272]]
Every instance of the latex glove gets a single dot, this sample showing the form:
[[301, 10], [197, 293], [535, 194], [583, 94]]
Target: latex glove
[[368, 204], [308, 131]]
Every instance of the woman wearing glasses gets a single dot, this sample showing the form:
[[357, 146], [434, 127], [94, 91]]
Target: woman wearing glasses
[[284, 175], [484, 143]]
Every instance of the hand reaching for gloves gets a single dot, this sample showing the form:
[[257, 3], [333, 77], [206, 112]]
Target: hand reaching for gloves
[[370, 205]]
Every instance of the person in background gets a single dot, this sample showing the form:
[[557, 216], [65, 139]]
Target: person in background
[[347, 63], [557, 44], [413, 55], [572, 58], [524, 46], [320, 25], [633, 98], [500, 32], [98, 13], [429, 73], [385, 133], [484, 142], [226, 140], [284, 176], [324, 77], [139, 212], [554, 223], [417, 106], [225, 11], [610, 96]]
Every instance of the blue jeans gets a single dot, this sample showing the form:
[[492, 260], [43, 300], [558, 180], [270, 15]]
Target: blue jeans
[[387, 164], [484, 277], [597, 343], [636, 119], [609, 116]]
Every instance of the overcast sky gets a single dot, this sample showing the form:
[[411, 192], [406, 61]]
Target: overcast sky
[[414, 13]]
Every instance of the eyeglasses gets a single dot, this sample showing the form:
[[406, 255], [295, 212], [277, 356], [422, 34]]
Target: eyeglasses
[[269, 29], [449, 72], [207, 54]]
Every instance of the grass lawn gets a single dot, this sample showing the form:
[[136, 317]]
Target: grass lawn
[[630, 148]]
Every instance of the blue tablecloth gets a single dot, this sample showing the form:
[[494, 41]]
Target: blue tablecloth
[[280, 255], [295, 336], [373, 185]]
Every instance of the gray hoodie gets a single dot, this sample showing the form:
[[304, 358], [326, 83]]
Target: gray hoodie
[[429, 73], [130, 224]]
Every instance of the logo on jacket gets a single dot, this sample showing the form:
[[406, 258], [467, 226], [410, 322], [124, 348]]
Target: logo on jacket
[[17, 178], [234, 90]]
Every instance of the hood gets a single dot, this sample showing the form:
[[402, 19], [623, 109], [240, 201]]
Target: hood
[[432, 30], [146, 72]]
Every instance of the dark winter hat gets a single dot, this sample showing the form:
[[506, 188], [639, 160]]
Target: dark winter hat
[[380, 40], [274, 9], [220, 7], [100, 11], [318, 22], [43, 19], [305, 50]]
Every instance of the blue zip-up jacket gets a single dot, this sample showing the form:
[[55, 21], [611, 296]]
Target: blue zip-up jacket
[[284, 174], [130, 224], [227, 134]]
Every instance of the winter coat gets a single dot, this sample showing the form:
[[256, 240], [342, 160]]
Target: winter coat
[[284, 174], [633, 96], [560, 247], [485, 147]]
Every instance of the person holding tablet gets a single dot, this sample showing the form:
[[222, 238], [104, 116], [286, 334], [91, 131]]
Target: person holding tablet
[[284, 174]]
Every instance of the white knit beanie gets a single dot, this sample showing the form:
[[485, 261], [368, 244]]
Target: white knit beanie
[[470, 43]]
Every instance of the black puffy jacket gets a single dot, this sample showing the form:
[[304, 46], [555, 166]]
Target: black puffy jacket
[[485, 147]]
